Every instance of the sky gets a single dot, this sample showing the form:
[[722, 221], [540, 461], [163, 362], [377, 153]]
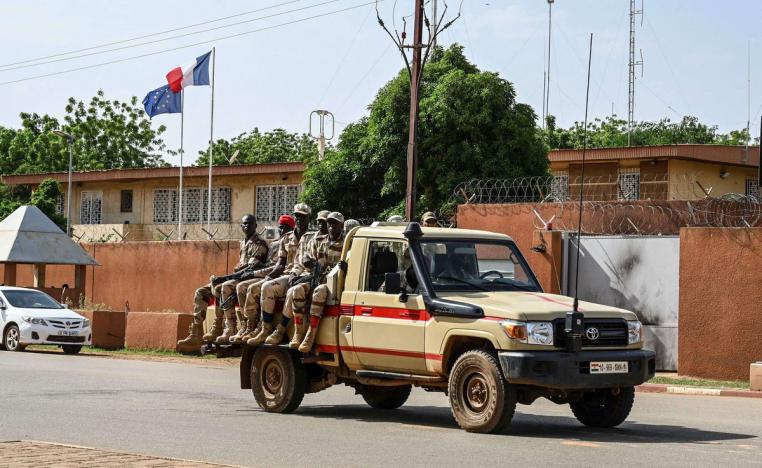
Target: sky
[[273, 74]]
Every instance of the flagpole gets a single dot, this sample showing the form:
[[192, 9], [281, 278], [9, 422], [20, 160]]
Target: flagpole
[[180, 194], [211, 151]]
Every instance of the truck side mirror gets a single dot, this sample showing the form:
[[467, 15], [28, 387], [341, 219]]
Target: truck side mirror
[[392, 283]]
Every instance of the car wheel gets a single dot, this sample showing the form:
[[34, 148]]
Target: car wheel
[[386, 398], [71, 349], [278, 380], [480, 398], [12, 339], [605, 407]]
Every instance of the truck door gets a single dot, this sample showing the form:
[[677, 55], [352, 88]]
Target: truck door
[[388, 334]]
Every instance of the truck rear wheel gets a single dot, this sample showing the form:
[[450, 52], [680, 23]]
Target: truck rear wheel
[[278, 380], [480, 398], [386, 397], [604, 408]]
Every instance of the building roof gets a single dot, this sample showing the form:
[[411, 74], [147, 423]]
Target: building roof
[[155, 173], [718, 154], [28, 236]]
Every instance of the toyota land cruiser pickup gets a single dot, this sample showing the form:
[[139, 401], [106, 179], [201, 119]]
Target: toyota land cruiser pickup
[[460, 312]]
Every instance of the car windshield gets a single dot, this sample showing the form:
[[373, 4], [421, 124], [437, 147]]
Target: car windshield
[[31, 300], [476, 265]]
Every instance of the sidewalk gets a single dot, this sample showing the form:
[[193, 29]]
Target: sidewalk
[[31, 453]]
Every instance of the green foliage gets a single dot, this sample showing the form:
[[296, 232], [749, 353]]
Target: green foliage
[[43, 197], [612, 132], [470, 127], [108, 134], [258, 148]]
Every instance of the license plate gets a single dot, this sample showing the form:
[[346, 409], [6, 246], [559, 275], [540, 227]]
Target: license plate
[[609, 367], [67, 333]]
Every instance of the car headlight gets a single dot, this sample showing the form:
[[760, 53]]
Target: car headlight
[[540, 333], [35, 320], [634, 331], [85, 323]]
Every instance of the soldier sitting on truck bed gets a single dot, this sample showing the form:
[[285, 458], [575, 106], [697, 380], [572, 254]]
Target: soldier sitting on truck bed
[[253, 254], [248, 290], [293, 249], [324, 254]]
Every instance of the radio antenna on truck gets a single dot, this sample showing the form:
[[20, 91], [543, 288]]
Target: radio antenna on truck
[[582, 179]]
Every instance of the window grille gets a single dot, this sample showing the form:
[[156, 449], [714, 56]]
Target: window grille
[[275, 200], [752, 187], [629, 183], [126, 201], [90, 208], [60, 204], [194, 205], [559, 187]]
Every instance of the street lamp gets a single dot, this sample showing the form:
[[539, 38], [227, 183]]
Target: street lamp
[[70, 143]]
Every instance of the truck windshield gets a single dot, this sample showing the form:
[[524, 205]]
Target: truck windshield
[[473, 265], [30, 299]]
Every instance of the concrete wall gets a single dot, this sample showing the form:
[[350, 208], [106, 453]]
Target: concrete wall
[[684, 174], [720, 301]]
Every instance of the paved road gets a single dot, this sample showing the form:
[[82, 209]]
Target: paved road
[[196, 411]]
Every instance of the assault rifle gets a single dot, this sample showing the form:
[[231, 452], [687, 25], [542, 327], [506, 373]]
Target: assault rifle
[[240, 275]]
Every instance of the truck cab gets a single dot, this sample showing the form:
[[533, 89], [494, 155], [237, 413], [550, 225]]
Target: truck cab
[[460, 312]]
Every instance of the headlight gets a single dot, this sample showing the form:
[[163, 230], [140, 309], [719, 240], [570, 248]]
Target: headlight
[[540, 333], [35, 320], [515, 330], [85, 323], [634, 331]]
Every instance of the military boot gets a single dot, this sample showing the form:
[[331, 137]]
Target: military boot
[[230, 330], [298, 331], [193, 343], [262, 335], [241, 331], [309, 340], [252, 331], [277, 336], [216, 330]]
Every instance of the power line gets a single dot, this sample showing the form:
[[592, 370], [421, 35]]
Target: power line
[[178, 36], [209, 41], [372, 67], [122, 41]]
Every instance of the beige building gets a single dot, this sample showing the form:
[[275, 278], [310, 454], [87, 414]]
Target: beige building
[[142, 204], [668, 172]]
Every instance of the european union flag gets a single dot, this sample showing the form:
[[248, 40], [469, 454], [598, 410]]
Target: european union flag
[[162, 101]]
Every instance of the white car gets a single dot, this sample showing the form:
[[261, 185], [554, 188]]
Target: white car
[[28, 316]]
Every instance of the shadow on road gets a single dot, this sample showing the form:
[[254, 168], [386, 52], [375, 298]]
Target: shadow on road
[[528, 425]]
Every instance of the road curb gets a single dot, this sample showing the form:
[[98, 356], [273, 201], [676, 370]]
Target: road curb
[[680, 390]]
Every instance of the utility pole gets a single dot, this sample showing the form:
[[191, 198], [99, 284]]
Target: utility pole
[[434, 22], [632, 65], [412, 149], [320, 137]]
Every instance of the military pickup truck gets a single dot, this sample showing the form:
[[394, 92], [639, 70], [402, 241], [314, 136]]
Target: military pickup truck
[[459, 312]]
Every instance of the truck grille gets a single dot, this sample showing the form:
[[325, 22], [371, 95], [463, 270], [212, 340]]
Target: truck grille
[[64, 324], [612, 332], [65, 339]]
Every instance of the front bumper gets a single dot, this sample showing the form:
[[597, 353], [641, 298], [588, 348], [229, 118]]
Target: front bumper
[[563, 370], [44, 334]]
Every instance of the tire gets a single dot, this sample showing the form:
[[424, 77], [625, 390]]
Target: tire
[[278, 380], [11, 339], [604, 408], [71, 349], [386, 398], [481, 399]]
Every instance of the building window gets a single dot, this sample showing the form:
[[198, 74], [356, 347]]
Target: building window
[[276, 200], [195, 207], [126, 203], [90, 208], [752, 187], [559, 186], [629, 183], [60, 204]]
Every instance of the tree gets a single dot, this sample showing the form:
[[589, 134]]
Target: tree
[[108, 134], [612, 132], [258, 148], [471, 126], [44, 197]]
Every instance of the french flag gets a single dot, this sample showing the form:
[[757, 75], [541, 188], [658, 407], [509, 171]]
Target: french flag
[[195, 73]]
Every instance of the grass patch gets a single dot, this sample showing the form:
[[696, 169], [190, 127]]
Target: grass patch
[[126, 352], [695, 382]]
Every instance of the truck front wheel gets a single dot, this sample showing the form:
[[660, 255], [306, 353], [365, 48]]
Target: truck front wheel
[[605, 407], [278, 380], [386, 397], [480, 398]]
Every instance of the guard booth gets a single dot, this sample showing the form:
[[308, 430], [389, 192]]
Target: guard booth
[[29, 237]]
